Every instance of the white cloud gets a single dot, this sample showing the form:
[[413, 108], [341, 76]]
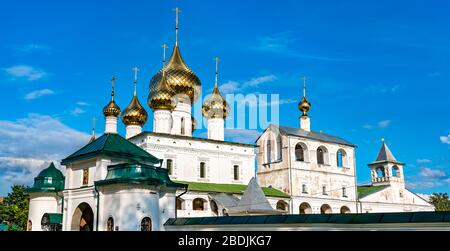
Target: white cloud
[[445, 139], [242, 135], [424, 161], [38, 93], [29, 144], [384, 123], [24, 71], [77, 111], [423, 184], [30, 48], [432, 174], [234, 87], [380, 124], [82, 103]]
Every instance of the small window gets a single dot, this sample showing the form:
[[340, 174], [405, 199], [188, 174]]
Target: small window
[[344, 192], [169, 166], [299, 153], [182, 126], [198, 205], [85, 177], [304, 190], [110, 224], [324, 190], [49, 180], [180, 204], [320, 157], [236, 172], [281, 205], [202, 170], [146, 224], [339, 158]]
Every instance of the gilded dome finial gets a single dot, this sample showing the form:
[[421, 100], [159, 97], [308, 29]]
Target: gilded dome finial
[[93, 130], [215, 106], [112, 109], [134, 114], [304, 104], [180, 78]]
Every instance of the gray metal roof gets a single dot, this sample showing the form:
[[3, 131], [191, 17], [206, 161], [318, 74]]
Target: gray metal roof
[[227, 201], [313, 135], [385, 154], [253, 200]]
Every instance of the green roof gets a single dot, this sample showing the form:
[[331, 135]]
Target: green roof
[[364, 191], [114, 145], [49, 180], [136, 173], [230, 188], [55, 218], [372, 218]]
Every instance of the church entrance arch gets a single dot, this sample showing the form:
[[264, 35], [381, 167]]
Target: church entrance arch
[[83, 218]]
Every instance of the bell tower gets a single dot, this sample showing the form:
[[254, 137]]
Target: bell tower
[[386, 170]]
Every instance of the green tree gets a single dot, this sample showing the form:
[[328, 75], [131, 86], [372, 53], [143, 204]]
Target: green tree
[[440, 201], [14, 210]]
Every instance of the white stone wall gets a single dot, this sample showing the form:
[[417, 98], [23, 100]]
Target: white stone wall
[[41, 203], [187, 153]]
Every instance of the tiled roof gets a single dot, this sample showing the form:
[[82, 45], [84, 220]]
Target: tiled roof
[[385, 154], [112, 144]]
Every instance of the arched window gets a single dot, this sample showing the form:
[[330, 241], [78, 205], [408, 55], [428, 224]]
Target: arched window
[[269, 147], [281, 205], [339, 158], [299, 152], [180, 204], [198, 204], [279, 148], [110, 224], [321, 155], [345, 210], [182, 126], [236, 172], [169, 166], [224, 212], [202, 170], [344, 192], [29, 225], [395, 171], [325, 209], [146, 224], [305, 208], [45, 222], [380, 172]]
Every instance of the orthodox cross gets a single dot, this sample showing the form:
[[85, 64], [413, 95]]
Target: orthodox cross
[[217, 59], [113, 79], [177, 12], [164, 46], [136, 70]]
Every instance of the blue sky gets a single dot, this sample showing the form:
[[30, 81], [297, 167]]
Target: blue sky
[[376, 69]]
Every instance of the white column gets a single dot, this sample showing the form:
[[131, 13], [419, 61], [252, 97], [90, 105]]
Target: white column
[[181, 116], [41, 203], [111, 124], [216, 129], [162, 121], [132, 130], [305, 123]]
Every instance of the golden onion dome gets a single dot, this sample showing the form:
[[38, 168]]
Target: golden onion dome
[[160, 97], [134, 114], [304, 106], [111, 109], [215, 106], [179, 77]]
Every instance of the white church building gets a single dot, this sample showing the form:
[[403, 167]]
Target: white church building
[[144, 179]]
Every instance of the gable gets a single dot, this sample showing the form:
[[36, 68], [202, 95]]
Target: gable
[[112, 145]]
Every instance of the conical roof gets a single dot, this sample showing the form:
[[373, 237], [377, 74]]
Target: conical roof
[[385, 154]]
